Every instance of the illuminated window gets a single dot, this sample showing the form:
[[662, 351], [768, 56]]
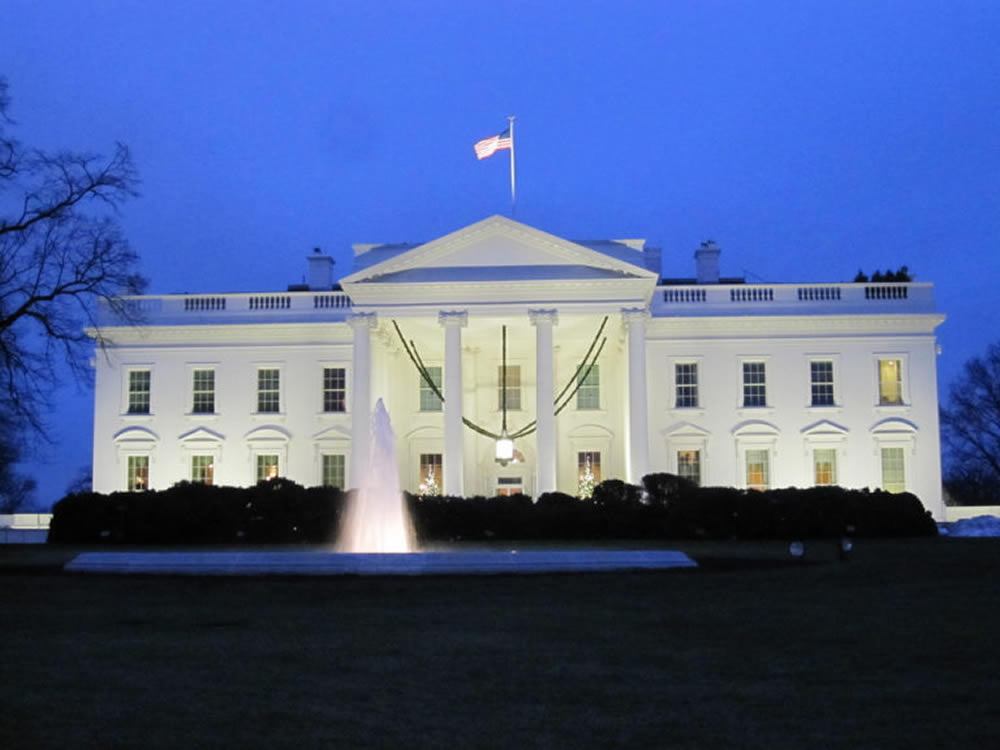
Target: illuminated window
[[269, 390], [429, 400], [430, 473], [758, 470], [589, 395], [138, 391], [821, 376], [333, 470], [890, 381], [334, 389], [689, 465], [824, 466], [138, 473], [513, 387], [686, 384], [754, 384], [267, 467], [203, 400], [507, 486], [202, 469], [893, 470]]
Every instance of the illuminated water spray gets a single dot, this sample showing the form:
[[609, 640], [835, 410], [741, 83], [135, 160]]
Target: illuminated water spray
[[376, 519]]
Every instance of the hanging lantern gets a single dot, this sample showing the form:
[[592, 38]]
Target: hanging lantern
[[504, 449]]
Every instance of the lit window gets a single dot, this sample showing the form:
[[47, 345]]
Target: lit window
[[267, 467], [513, 387], [268, 390], [754, 384], [138, 473], [202, 469], [507, 486], [824, 466], [429, 400], [893, 470], [821, 376], [686, 385], [333, 470], [138, 392], [334, 389], [689, 465], [588, 472], [203, 401], [758, 471], [589, 394], [890, 381], [430, 474]]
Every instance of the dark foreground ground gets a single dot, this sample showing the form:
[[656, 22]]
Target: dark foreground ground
[[896, 648]]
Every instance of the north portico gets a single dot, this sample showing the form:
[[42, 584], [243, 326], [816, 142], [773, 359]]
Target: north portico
[[728, 383], [552, 295]]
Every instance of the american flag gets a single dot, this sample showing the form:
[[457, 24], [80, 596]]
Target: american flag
[[489, 146]]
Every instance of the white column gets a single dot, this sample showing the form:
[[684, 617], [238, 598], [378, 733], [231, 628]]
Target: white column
[[545, 435], [361, 407], [454, 459], [638, 429]]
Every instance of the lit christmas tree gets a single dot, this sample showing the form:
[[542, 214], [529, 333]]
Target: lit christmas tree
[[429, 486], [587, 482]]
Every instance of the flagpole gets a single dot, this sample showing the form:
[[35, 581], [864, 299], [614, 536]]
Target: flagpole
[[513, 182]]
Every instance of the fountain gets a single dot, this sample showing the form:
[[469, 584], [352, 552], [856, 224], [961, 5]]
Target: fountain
[[377, 519]]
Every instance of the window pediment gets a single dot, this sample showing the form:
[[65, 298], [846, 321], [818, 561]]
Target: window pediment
[[685, 429], [824, 428], [755, 428], [136, 437], [894, 426]]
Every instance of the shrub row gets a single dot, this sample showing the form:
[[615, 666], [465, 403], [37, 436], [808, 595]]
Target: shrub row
[[665, 507], [668, 507]]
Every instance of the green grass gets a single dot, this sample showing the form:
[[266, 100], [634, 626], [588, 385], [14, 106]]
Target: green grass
[[893, 649]]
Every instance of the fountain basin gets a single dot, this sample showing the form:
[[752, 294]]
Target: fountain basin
[[257, 563]]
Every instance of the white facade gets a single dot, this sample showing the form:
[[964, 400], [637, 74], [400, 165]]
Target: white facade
[[746, 385]]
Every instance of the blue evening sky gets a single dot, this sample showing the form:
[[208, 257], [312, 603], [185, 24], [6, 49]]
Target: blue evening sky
[[809, 139]]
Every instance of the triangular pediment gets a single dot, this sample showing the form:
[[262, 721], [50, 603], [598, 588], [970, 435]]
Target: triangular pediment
[[495, 251]]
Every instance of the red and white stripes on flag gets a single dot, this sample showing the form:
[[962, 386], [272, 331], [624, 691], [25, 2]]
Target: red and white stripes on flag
[[489, 146]]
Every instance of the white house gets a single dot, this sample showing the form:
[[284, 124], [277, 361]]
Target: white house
[[749, 385]]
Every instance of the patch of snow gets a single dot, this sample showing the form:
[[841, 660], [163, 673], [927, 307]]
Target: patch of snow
[[978, 526]]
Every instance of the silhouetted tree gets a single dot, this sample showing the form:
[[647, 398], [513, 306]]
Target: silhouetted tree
[[971, 427], [61, 249]]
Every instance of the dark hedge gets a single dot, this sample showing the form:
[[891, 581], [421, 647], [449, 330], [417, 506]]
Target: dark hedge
[[665, 507]]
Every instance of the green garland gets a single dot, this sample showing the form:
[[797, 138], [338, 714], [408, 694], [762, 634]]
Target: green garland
[[575, 382]]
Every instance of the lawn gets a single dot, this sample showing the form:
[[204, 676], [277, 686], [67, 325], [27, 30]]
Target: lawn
[[894, 648]]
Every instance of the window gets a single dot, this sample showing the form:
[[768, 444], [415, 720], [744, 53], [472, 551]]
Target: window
[[513, 387], [202, 469], [754, 384], [430, 474], [203, 401], [268, 390], [824, 466], [686, 385], [893, 470], [267, 466], [588, 472], [890, 381], [334, 389], [138, 473], [429, 400], [589, 394], [333, 470], [138, 392], [758, 471], [507, 486], [821, 377], [689, 465]]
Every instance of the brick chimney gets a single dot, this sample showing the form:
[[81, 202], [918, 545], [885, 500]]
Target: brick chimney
[[320, 270], [706, 258]]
